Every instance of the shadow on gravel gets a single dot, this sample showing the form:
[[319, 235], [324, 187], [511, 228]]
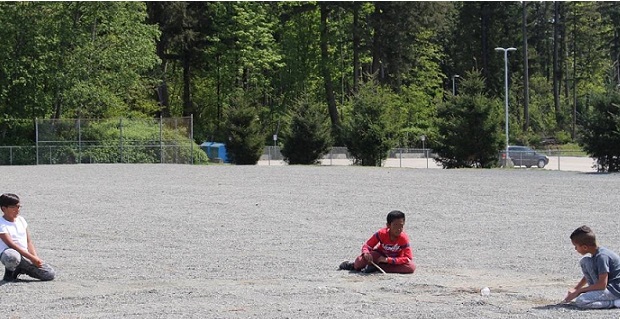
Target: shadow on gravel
[[19, 281], [558, 307]]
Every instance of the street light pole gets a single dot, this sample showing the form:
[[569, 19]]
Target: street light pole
[[507, 157], [423, 138], [454, 84]]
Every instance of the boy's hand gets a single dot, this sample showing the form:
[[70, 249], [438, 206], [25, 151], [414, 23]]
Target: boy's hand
[[572, 294], [368, 257], [382, 259], [37, 262]]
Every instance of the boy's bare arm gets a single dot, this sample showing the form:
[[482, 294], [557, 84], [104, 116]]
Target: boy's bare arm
[[573, 293], [9, 242], [581, 283], [31, 248], [581, 287], [601, 284]]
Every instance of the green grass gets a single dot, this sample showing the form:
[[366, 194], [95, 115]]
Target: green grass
[[568, 149]]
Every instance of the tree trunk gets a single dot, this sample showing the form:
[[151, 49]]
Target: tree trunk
[[575, 77], [155, 10], [556, 62], [526, 77], [219, 95], [356, 46], [329, 85], [484, 27], [187, 101], [376, 43], [163, 95]]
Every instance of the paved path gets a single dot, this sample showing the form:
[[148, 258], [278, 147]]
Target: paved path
[[575, 164]]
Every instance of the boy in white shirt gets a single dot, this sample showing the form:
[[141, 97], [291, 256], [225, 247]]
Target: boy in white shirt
[[17, 252]]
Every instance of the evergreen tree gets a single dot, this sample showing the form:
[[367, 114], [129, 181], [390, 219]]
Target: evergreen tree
[[307, 138], [245, 137], [600, 132], [469, 126], [369, 134]]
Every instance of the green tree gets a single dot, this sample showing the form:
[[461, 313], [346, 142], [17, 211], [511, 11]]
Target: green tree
[[245, 136], [400, 31], [469, 126], [76, 59], [369, 133], [307, 138], [600, 132]]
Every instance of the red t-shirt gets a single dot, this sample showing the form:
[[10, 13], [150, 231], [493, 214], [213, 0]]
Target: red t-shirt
[[398, 251]]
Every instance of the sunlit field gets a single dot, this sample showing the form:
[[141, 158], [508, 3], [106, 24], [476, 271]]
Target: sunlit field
[[222, 241]]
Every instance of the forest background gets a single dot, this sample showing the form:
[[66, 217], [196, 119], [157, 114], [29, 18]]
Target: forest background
[[403, 69]]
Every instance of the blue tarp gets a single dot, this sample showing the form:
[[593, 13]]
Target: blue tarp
[[215, 151]]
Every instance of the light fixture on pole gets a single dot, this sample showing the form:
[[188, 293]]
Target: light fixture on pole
[[454, 83], [507, 157]]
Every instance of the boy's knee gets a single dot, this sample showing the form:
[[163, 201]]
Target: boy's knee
[[47, 273], [412, 266], [410, 269], [10, 258], [47, 277], [581, 302]]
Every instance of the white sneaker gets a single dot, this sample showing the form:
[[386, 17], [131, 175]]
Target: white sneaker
[[617, 303]]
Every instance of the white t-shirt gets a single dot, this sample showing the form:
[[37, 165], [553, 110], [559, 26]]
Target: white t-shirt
[[17, 231]]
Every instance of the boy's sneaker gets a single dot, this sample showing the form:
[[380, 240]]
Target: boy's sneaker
[[617, 303], [10, 276], [346, 265], [369, 269]]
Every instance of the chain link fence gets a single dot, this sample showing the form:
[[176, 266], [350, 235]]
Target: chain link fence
[[71, 141], [424, 158]]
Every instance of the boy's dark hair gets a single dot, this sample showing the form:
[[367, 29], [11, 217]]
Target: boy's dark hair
[[395, 214], [8, 199], [583, 236]]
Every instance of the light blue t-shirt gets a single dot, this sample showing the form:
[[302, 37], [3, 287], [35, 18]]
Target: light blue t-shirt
[[607, 261]]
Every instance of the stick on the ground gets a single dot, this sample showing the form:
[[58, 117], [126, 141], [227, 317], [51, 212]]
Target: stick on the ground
[[373, 263]]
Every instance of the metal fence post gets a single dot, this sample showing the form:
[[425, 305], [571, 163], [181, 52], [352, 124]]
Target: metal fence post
[[161, 146], [120, 149], [36, 134], [79, 141], [191, 137], [331, 156]]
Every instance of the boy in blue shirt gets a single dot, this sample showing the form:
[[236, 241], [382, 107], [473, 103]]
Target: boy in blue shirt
[[600, 286]]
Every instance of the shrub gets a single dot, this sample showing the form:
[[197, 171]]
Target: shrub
[[307, 137], [245, 138], [469, 126], [368, 132], [600, 131]]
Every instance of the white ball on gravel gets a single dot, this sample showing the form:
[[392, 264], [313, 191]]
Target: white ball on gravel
[[485, 291]]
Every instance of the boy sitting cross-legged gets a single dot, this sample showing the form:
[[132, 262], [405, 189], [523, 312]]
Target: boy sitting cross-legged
[[389, 248], [17, 252]]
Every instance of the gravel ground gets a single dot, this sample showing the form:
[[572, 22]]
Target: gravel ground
[[220, 241]]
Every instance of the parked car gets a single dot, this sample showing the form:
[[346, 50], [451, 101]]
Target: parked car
[[525, 156]]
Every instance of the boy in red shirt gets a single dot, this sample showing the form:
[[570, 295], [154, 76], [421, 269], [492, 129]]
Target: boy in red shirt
[[389, 248]]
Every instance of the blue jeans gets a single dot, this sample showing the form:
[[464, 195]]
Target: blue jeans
[[597, 299], [13, 261]]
